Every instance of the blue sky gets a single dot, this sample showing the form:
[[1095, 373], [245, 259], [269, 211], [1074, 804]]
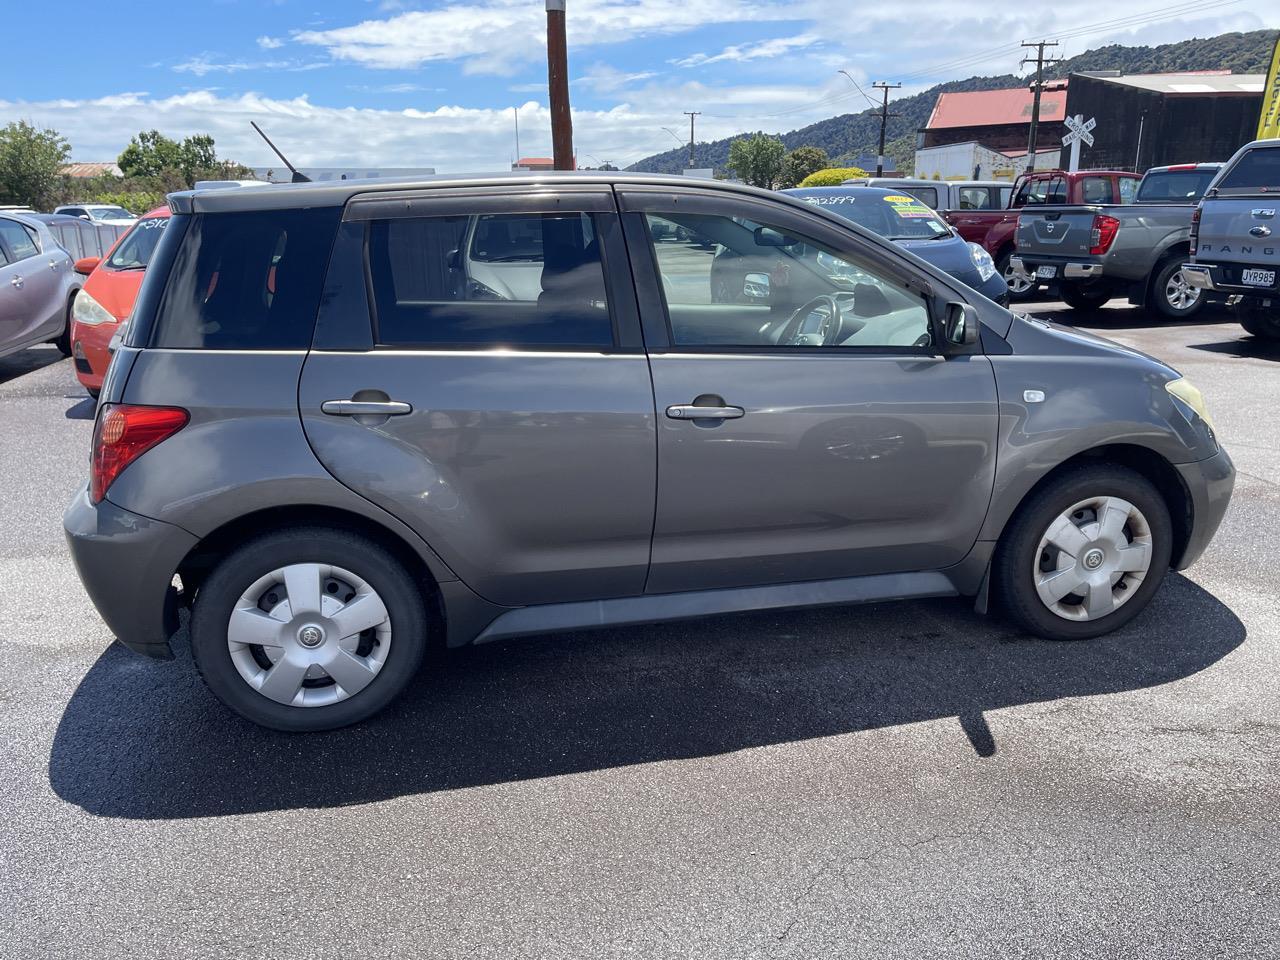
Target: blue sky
[[435, 83]]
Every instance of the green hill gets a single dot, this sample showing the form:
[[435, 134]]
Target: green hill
[[853, 134]]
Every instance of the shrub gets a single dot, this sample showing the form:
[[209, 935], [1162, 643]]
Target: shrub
[[832, 176]]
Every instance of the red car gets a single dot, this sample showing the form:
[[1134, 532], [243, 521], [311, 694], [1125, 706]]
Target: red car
[[104, 302]]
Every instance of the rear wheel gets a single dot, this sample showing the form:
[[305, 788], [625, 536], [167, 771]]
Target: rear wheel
[[308, 630], [1171, 294], [1085, 554], [1257, 320], [1020, 283], [1082, 297]]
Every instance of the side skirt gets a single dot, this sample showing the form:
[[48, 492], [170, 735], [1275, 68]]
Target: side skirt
[[557, 617]]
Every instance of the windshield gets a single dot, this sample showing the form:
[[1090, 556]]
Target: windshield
[[1174, 185], [110, 213], [894, 216], [1257, 171], [134, 251]]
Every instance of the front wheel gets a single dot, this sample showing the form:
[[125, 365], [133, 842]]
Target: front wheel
[[1084, 555], [308, 630], [1080, 297], [1171, 294]]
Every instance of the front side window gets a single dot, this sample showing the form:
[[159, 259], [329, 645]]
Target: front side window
[[733, 282], [247, 281], [18, 240], [489, 280], [134, 252]]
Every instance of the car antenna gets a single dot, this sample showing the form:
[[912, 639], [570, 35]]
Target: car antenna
[[297, 177]]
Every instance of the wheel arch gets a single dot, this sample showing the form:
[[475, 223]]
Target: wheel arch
[[220, 542], [1142, 460]]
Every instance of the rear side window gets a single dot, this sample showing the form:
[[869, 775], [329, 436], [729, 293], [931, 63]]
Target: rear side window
[[247, 281], [489, 280], [1258, 170], [18, 240], [928, 194], [1095, 190]]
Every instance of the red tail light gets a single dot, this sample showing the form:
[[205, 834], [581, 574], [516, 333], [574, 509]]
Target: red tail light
[[1195, 229], [123, 433], [1104, 233]]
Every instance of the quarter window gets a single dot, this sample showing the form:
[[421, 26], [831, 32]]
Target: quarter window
[[1128, 189], [732, 282], [489, 280]]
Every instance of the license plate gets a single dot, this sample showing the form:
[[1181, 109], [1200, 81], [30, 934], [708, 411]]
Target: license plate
[[1258, 278], [1046, 273]]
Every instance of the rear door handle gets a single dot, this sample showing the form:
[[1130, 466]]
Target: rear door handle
[[366, 408], [688, 411]]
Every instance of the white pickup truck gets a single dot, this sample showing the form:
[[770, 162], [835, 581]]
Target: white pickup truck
[[1235, 237]]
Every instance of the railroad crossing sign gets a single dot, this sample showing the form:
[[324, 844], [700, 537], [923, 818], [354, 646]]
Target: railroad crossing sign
[[1079, 128]]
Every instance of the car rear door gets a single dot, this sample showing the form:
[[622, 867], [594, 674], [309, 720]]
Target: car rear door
[[779, 459], [34, 282], [513, 429]]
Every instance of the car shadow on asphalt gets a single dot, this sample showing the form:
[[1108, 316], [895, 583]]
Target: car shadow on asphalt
[[1253, 347], [144, 739], [27, 361], [85, 408]]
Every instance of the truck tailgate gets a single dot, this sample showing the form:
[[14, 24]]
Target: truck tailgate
[[1241, 230], [1055, 231]]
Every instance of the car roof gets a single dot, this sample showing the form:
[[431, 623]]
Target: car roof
[[279, 196], [858, 189], [1209, 165]]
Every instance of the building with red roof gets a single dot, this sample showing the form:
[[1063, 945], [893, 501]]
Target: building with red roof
[[998, 119]]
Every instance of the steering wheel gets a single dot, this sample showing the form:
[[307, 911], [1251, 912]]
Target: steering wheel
[[802, 331]]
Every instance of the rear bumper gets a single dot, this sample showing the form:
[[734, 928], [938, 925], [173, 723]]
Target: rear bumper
[[1066, 269], [1210, 483], [1212, 276], [126, 563]]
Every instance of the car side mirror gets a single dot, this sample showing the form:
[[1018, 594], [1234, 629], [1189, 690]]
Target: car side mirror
[[755, 286], [86, 265], [960, 328], [454, 260]]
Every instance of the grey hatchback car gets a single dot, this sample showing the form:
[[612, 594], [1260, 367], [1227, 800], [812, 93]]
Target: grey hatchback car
[[337, 446]]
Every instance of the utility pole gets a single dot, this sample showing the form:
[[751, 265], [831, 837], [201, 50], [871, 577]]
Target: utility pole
[[691, 114], [516, 112], [884, 119], [1036, 87], [558, 87]]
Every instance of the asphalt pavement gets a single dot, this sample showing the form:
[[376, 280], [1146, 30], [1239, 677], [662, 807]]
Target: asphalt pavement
[[895, 780]]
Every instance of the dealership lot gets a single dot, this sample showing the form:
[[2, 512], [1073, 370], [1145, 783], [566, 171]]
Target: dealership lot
[[891, 780]]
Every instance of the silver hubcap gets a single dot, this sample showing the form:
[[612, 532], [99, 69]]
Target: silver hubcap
[[1092, 558], [1179, 293], [1018, 281], [309, 634]]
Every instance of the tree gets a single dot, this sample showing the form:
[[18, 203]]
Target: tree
[[832, 176], [174, 165], [801, 162], [757, 160], [30, 164]]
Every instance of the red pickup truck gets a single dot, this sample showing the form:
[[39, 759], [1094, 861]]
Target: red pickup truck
[[994, 229]]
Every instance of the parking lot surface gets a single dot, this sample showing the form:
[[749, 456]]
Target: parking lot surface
[[895, 780]]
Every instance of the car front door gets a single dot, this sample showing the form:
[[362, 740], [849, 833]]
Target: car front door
[[807, 427], [495, 398]]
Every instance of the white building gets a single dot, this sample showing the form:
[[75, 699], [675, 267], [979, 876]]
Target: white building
[[972, 161]]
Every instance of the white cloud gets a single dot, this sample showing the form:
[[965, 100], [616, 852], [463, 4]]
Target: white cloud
[[203, 64], [270, 43], [499, 36], [765, 49]]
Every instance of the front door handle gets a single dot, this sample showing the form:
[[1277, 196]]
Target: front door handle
[[366, 408], [16, 281], [689, 411]]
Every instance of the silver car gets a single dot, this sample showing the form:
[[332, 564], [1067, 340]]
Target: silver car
[[337, 452], [37, 285]]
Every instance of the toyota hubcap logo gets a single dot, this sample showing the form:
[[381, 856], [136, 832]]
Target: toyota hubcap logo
[[310, 636]]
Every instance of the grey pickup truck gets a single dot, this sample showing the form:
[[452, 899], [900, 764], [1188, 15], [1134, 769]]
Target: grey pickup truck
[[1096, 252], [1234, 247]]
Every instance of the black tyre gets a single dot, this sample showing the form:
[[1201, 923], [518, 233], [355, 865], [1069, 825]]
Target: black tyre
[[1084, 554], [1262, 323], [308, 629], [1021, 285], [93, 392], [1171, 295], [1082, 297], [63, 340]]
